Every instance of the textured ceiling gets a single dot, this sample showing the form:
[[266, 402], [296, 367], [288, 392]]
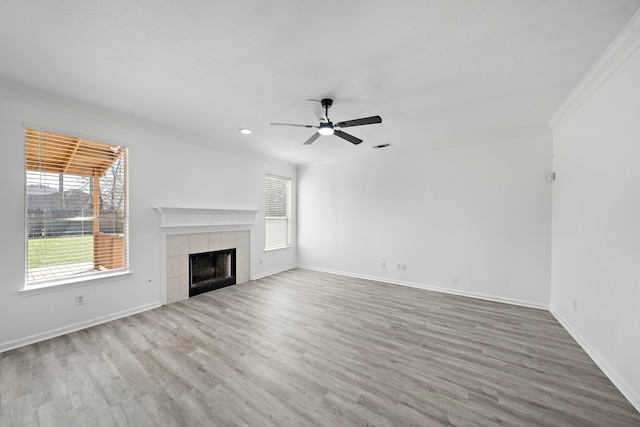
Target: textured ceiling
[[433, 70]]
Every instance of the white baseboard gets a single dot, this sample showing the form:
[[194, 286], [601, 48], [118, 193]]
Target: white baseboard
[[632, 396], [32, 339], [269, 273], [486, 297]]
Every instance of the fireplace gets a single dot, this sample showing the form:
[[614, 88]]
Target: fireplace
[[180, 245], [211, 270]]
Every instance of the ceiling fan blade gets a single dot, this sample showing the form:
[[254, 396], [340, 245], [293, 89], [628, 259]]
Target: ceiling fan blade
[[293, 125], [316, 107], [311, 139], [352, 139], [359, 122]]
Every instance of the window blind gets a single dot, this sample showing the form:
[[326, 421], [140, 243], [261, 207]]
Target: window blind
[[277, 212], [75, 207]]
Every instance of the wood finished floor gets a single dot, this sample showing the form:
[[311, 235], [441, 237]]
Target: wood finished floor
[[302, 348]]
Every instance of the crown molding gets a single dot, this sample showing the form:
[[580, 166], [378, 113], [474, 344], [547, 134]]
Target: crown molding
[[616, 54]]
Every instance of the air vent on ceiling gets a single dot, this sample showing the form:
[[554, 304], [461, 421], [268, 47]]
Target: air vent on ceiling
[[381, 146]]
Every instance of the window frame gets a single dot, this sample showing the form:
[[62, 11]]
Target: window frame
[[70, 281], [287, 217]]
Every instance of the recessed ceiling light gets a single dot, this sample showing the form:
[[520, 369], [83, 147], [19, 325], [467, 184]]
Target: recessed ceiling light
[[245, 131]]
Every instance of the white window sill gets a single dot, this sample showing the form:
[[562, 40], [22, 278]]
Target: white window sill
[[277, 249], [72, 282]]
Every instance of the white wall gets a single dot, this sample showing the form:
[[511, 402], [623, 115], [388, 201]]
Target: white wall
[[596, 216], [167, 168], [473, 217]]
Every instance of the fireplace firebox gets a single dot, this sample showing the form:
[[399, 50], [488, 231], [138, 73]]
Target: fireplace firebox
[[211, 270]]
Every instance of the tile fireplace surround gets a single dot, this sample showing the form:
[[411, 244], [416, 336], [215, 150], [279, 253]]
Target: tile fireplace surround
[[179, 246], [194, 230]]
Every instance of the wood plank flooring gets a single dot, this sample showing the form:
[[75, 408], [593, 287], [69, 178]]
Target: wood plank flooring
[[302, 348]]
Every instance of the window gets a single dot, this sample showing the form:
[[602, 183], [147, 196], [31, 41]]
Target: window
[[277, 214], [76, 215]]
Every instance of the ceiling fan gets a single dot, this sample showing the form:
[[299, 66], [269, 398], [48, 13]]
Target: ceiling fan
[[326, 127]]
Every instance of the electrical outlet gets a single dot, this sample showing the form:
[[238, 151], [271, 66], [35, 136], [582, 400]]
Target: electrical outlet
[[404, 267], [399, 267], [575, 304], [383, 264], [79, 299]]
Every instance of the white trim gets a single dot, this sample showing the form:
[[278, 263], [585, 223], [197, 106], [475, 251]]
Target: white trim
[[70, 282], [21, 342], [199, 217], [195, 229], [272, 272], [616, 54], [627, 391], [278, 248], [486, 297]]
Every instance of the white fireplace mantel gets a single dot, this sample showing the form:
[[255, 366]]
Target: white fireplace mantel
[[199, 217]]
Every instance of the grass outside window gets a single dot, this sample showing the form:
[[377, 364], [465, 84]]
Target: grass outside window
[[60, 251]]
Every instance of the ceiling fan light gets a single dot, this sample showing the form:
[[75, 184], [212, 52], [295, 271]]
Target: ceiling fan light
[[326, 129]]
